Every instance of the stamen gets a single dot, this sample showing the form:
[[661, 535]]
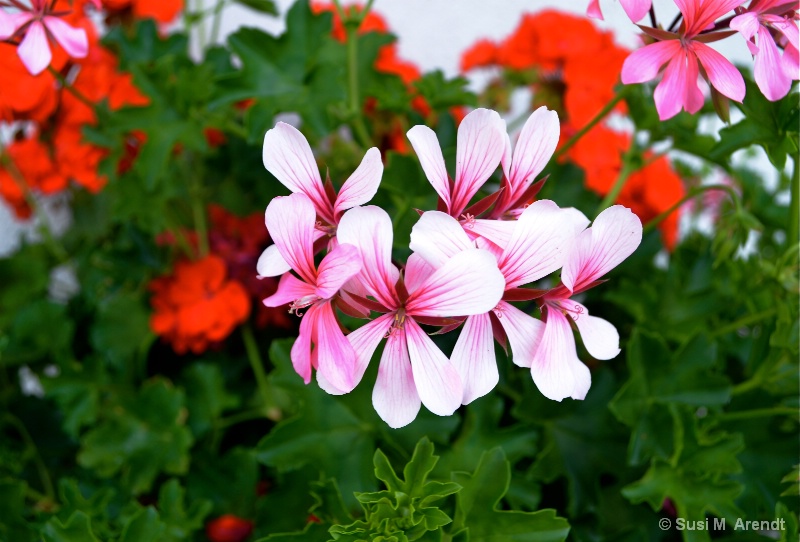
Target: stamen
[[573, 312], [469, 220], [298, 304]]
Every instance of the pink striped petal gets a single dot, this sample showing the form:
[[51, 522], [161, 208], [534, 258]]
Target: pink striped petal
[[290, 289], [615, 235], [473, 357], [678, 88], [723, 75], [7, 25], [535, 146], [369, 229], [790, 62], [600, 337], [336, 268], [362, 185], [524, 332], [480, 144], [468, 283], [538, 245], [34, 51], [770, 77], [497, 231], [271, 263], [395, 396], [556, 369], [425, 144], [366, 339], [335, 356], [593, 10], [437, 381], [644, 64], [417, 271], [290, 221], [437, 237], [301, 349], [746, 24], [73, 40], [287, 155], [636, 9]]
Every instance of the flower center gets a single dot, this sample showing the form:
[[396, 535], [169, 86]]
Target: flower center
[[397, 325], [298, 304]]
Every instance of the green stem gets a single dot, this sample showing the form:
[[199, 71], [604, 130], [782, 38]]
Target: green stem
[[75, 92], [591, 124], [744, 321], [694, 192], [198, 212], [240, 417], [201, 27], [747, 385], [351, 25], [619, 184], [217, 21], [758, 413], [794, 205], [44, 474], [254, 357]]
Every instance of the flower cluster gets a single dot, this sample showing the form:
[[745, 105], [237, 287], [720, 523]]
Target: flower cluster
[[469, 263], [576, 74], [768, 26]]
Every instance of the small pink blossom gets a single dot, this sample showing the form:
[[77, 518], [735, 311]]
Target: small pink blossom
[[412, 369], [635, 9], [36, 24], [773, 72], [290, 221], [683, 53], [556, 369]]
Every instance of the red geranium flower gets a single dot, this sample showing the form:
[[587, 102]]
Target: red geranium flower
[[228, 528]]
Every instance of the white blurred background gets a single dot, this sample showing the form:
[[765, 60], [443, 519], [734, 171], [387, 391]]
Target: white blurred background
[[432, 34]]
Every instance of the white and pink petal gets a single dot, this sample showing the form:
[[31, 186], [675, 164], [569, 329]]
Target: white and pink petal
[[474, 359]]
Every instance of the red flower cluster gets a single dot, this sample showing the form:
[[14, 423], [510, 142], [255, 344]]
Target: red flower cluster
[[197, 305], [573, 68], [163, 11], [228, 528], [47, 159]]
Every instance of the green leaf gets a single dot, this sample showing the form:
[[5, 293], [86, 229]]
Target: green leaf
[[324, 433], [76, 529], [122, 328], [13, 527], [144, 526], [142, 437], [792, 478], [477, 513], [206, 396], [261, 6], [441, 93], [181, 521]]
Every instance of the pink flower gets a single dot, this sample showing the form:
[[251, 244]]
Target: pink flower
[[480, 144], [773, 72], [635, 9], [537, 246], [37, 23], [287, 155], [681, 52], [290, 221], [556, 369], [412, 369]]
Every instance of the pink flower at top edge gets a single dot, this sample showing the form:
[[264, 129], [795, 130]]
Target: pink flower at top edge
[[37, 24], [287, 155], [412, 369], [773, 72], [290, 221], [683, 55], [556, 369], [635, 9]]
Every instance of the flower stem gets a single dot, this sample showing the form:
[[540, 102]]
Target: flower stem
[[351, 25], [745, 321], [74, 91], [694, 192], [217, 21], [198, 211], [622, 178], [591, 124], [759, 413], [257, 364], [30, 445], [794, 205]]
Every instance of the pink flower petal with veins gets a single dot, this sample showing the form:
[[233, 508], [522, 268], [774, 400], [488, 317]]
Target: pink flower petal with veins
[[437, 381], [600, 337], [301, 349], [644, 64], [636, 9], [615, 235], [290, 221], [417, 271], [678, 88], [287, 155], [290, 289], [437, 237], [468, 283], [73, 40], [535, 146], [335, 356], [556, 369], [395, 396], [721, 73], [336, 268], [34, 51], [425, 144], [365, 340], [473, 357], [524, 332], [363, 184]]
